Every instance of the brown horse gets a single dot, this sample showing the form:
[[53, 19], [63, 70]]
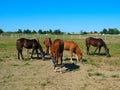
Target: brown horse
[[74, 48], [57, 51], [48, 43], [98, 43], [29, 44]]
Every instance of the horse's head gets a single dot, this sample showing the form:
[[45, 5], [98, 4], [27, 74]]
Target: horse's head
[[79, 53], [79, 56], [107, 52]]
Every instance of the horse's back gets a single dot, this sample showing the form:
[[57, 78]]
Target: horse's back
[[58, 43], [69, 45], [58, 46], [27, 43], [94, 41]]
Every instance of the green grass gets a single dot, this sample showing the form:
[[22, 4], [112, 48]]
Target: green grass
[[95, 74], [115, 76], [44, 82], [8, 45]]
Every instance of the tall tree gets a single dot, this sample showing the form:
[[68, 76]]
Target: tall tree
[[19, 31]]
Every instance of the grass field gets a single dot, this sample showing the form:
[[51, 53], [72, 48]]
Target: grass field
[[98, 73]]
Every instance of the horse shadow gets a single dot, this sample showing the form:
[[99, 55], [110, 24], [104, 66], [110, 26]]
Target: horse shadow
[[99, 54], [71, 67], [68, 59]]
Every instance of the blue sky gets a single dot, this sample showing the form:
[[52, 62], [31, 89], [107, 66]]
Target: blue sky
[[66, 15]]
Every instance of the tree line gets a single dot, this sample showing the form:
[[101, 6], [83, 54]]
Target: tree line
[[110, 31], [58, 31], [40, 31]]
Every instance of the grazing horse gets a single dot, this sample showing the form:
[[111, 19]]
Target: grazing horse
[[74, 48], [98, 43], [57, 49], [48, 43], [29, 44]]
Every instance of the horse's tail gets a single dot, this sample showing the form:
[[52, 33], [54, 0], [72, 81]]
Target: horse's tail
[[61, 47]]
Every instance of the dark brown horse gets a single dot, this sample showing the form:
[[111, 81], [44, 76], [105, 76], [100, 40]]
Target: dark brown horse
[[57, 51], [73, 48], [48, 43], [98, 43], [29, 44]]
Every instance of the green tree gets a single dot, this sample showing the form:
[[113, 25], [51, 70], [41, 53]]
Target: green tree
[[19, 31], [50, 31], [113, 31], [104, 31], [57, 31], [27, 31], [34, 31], [40, 31], [1, 31]]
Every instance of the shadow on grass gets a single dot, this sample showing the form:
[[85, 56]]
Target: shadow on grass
[[71, 67], [101, 54]]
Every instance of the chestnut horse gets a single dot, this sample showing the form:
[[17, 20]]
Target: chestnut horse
[[29, 44], [57, 51], [98, 43], [48, 43], [74, 48]]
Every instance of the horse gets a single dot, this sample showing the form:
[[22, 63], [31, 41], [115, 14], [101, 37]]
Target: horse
[[73, 48], [29, 44], [48, 43], [57, 49], [98, 43]]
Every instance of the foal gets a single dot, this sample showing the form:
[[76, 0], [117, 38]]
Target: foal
[[29, 44], [73, 48]]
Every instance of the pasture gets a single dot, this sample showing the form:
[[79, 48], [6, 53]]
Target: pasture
[[97, 73]]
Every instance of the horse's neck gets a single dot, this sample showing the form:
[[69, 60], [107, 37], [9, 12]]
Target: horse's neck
[[78, 50], [104, 45]]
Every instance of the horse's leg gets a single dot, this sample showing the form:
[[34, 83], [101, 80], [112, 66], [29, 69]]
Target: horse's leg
[[61, 60], [76, 57], [47, 49], [99, 50], [37, 53], [32, 52], [71, 55], [56, 63], [96, 49], [88, 50], [27, 50], [20, 53]]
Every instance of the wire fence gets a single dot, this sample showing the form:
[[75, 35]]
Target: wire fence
[[64, 36]]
